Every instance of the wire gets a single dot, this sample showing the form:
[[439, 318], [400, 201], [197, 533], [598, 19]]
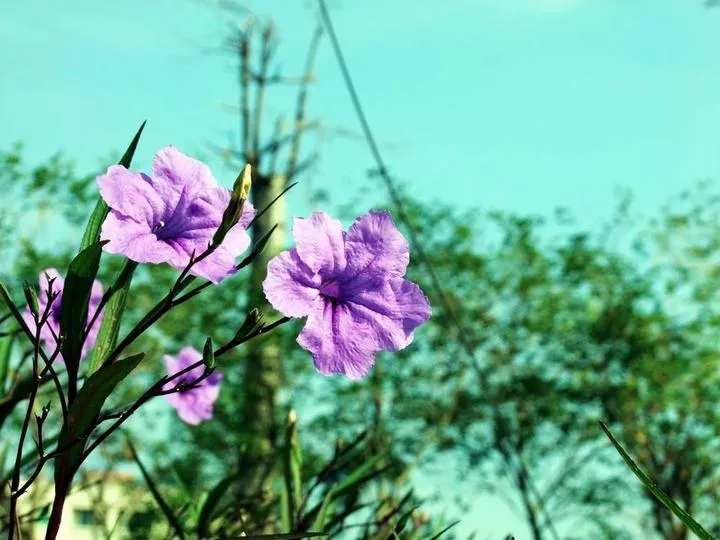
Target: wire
[[394, 194], [414, 237]]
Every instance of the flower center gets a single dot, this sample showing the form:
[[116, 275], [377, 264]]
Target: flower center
[[157, 228], [330, 289]]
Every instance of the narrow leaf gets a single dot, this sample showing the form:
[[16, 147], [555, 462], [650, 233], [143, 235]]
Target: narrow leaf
[[446, 529], [292, 463], [319, 522], [258, 247], [402, 522], [284, 536], [671, 505], [92, 231], [210, 505], [110, 327], [6, 344], [84, 411], [169, 514], [74, 309], [359, 474], [14, 310]]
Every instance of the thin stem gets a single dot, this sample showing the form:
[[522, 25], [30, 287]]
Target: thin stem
[[157, 388], [15, 483]]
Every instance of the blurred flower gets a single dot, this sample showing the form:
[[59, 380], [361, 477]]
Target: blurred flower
[[351, 288], [195, 403], [164, 219], [51, 328]]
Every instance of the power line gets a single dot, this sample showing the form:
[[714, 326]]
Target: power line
[[414, 237], [394, 194]]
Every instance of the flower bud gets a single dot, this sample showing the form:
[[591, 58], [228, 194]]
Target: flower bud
[[31, 298], [233, 212], [208, 354], [252, 322]]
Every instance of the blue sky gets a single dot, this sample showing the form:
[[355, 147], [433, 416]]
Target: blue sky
[[522, 105], [516, 104]]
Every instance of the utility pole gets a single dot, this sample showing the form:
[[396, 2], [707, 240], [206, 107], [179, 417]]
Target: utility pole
[[276, 163]]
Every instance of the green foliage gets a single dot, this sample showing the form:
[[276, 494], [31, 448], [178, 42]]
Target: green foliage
[[83, 413], [74, 308], [567, 327]]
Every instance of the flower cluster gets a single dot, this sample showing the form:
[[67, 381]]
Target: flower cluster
[[349, 284]]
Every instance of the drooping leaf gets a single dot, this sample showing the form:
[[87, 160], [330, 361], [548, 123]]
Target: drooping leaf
[[92, 231], [83, 412], [671, 505], [74, 309], [169, 514]]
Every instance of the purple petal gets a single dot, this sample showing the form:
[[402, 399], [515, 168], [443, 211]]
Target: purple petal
[[394, 309], [374, 245], [290, 286], [96, 294], [44, 283], [180, 169], [196, 404], [339, 340], [131, 194], [319, 243], [134, 240]]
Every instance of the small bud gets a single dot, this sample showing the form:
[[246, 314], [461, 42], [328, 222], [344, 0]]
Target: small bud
[[251, 323], [243, 183], [233, 212], [209, 354], [31, 298], [292, 417]]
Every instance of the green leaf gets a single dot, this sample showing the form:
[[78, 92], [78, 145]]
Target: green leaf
[[446, 529], [285, 536], [292, 463], [258, 247], [92, 231], [83, 412], [402, 522], [209, 354], [6, 344], [14, 310], [671, 505], [169, 514], [359, 473], [357, 476], [213, 498], [319, 522], [110, 327], [74, 309]]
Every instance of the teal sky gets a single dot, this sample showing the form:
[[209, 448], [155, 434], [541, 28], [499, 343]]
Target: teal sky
[[522, 105]]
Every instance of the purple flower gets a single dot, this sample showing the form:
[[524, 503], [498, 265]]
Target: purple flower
[[164, 219], [51, 328], [351, 288], [194, 404]]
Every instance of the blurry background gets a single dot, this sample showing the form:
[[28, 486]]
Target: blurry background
[[555, 159]]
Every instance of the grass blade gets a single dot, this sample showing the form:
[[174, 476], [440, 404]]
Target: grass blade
[[671, 505]]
